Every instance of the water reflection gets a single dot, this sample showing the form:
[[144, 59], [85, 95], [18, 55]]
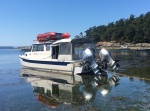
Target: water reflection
[[133, 63], [55, 89], [142, 53]]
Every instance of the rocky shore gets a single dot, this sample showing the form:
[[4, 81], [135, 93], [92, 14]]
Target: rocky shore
[[112, 45], [109, 45]]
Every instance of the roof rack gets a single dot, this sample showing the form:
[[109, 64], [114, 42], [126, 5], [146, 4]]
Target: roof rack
[[50, 41]]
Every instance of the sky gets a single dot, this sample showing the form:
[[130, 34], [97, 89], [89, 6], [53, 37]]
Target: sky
[[22, 20]]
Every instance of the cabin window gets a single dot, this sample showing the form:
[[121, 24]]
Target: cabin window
[[38, 47], [55, 52], [48, 93], [79, 48], [77, 51], [47, 47], [39, 90], [55, 90], [90, 46], [65, 48]]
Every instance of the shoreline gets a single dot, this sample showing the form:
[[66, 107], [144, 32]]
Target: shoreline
[[111, 45], [130, 48]]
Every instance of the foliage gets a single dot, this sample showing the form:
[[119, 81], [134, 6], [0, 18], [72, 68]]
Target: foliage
[[134, 29]]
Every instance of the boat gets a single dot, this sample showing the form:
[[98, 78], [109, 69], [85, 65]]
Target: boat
[[58, 52], [75, 89]]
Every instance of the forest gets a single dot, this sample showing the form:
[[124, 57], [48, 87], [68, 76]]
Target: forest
[[130, 30]]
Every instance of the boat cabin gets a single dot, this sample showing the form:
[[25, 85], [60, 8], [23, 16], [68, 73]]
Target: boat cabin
[[62, 50]]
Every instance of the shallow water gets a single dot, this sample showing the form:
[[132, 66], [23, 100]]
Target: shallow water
[[20, 90]]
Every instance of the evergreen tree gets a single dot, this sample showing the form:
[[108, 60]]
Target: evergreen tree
[[133, 29]]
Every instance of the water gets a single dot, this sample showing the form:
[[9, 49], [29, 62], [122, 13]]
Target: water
[[19, 90]]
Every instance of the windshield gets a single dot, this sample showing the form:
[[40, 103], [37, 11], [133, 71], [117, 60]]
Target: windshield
[[37, 47]]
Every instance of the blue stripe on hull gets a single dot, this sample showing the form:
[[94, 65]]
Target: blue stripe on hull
[[46, 62]]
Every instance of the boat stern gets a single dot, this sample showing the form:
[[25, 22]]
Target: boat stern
[[81, 67]]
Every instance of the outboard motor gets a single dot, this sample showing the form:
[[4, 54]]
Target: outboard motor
[[88, 57], [105, 56], [105, 88]]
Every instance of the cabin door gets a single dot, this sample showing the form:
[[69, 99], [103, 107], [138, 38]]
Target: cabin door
[[55, 52]]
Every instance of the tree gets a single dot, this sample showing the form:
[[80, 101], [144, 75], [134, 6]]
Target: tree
[[132, 29]]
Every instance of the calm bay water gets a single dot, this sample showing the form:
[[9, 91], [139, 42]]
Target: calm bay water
[[19, 90]]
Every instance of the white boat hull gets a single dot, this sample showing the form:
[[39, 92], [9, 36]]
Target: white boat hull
[[48, 65]]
